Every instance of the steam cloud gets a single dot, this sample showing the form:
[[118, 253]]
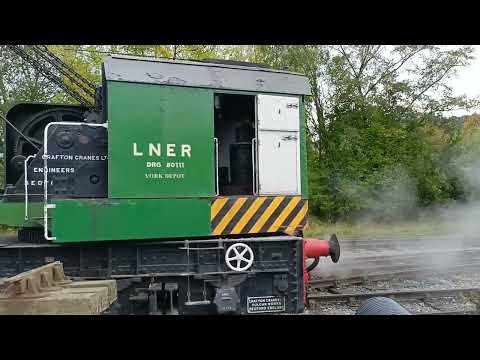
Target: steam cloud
[[396, 201]]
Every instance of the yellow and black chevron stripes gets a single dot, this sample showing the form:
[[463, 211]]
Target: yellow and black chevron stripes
[[252, 214]]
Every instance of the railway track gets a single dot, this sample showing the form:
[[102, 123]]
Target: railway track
[[404, 272], [460, 312], [378, 268], [398, 294], [367, 270], [423, 295]]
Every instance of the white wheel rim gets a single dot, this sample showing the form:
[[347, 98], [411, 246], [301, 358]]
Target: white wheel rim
[[239, 257]]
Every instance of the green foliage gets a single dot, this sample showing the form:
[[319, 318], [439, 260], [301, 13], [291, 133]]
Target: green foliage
[[19, 83], [379, 147], [378, 144]]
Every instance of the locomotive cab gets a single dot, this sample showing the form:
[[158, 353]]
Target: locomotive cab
[[192, 178]]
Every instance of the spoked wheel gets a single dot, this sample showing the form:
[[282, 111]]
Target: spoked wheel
[[239, 257], [32, 128]]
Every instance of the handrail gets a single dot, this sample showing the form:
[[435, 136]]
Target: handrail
[[46, 205], [254, 163], [217, 187], [25, 175]]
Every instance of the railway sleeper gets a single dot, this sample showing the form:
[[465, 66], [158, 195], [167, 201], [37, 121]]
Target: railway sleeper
[[47, 291]]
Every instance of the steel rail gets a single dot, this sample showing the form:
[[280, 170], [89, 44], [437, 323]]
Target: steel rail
[[402, 294], [458, 312], [360, 278]]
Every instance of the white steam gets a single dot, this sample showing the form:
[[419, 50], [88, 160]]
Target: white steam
[[458, 228]]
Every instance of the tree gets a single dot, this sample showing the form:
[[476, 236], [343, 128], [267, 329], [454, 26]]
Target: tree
[[377, 140], [368, 117], [20, 83]]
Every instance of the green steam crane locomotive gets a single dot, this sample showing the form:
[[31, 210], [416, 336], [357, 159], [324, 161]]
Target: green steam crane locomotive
[[184, 180]]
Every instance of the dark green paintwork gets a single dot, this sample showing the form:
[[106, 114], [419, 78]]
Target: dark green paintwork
[[138, 208], [143, 114], [122, 219], [303, 151], [13, 214]]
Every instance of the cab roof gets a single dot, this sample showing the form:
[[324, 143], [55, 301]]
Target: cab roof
[[202, 74]]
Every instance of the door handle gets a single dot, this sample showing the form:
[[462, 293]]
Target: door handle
[[217, 188], [254, 163]]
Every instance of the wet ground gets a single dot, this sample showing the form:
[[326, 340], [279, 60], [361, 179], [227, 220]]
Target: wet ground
[[429, 250], [451, 303], [409, 251]]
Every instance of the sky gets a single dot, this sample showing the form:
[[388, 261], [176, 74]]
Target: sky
[[467, 82]]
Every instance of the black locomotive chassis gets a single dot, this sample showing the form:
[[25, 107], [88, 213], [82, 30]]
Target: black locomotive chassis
[[195, 268]]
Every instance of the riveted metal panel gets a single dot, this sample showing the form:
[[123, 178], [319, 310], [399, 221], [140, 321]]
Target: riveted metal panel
[[204, 75]]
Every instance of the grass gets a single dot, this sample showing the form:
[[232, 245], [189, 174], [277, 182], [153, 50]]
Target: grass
[[316, 228]]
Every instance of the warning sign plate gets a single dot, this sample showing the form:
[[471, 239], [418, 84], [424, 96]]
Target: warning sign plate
[[265, 304]]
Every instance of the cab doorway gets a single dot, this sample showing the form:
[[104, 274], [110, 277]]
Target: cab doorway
[[234, 129]]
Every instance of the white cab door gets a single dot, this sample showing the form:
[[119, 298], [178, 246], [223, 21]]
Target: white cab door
[[278, 145]]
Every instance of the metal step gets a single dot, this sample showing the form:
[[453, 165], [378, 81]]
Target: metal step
[[196, 303]]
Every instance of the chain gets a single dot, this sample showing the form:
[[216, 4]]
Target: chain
[[49, 74]]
